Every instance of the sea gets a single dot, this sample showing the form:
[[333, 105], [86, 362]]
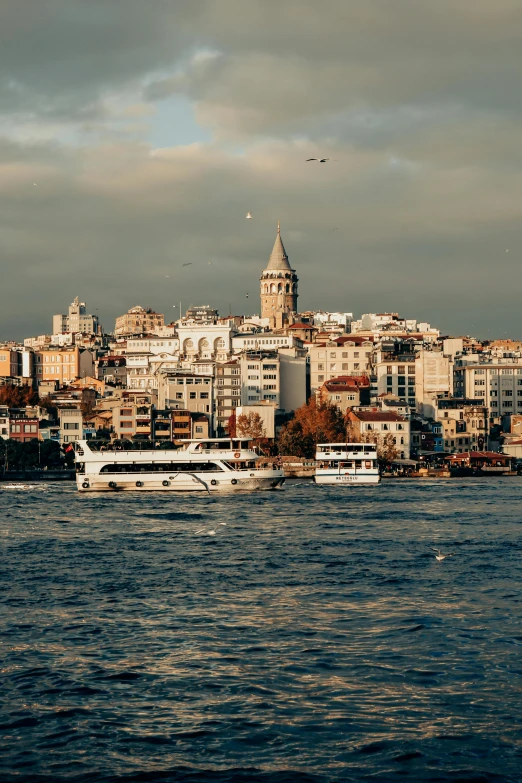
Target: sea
[[313, 637]]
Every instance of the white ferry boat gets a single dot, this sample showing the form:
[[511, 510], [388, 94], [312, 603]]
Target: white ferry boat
[[346, 463], [213, 465]]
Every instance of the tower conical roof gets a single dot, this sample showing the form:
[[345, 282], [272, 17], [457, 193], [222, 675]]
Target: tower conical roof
[[278, 258]]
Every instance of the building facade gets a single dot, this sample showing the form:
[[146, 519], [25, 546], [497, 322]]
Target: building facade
[[76, 320], [138, 320]]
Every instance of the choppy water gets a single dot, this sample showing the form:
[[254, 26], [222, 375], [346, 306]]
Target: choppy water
[[313, 638]]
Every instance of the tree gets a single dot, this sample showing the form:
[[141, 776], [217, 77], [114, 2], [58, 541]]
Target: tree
[[17, 396], [313, 423], [251, 426]]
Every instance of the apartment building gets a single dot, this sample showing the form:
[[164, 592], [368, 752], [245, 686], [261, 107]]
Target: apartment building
[[71, 425], [344, 356], [138, 320], [76, 320], [228, 393], [497, 383], [375, 425], [464, 424], [186, 390], [61, 364], [345, 392]]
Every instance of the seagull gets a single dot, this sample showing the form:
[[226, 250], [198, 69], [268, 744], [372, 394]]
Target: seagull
[[189, 264], [246, 296], [249, 216], [35, 185], [439, 556], [212, 531], [309, 159]]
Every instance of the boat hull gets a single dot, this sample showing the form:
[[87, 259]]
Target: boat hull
[[238, 481], [347, 478]]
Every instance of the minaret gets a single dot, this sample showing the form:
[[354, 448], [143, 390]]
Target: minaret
[[278, 285]]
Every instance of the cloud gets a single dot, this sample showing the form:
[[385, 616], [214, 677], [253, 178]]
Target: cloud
[[419, 103]]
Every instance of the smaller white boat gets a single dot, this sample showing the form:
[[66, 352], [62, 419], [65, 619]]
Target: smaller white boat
[[346, 463]]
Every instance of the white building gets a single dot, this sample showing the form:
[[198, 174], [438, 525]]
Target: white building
[[205, 341], [76, 320]]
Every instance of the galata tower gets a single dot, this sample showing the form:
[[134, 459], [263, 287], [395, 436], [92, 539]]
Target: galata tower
[[278, 286]]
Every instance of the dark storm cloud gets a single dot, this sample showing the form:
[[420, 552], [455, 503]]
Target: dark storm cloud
[[419, 102]]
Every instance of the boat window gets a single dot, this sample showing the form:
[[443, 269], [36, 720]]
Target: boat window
[[80, 467], [349, 464], [162, 467]]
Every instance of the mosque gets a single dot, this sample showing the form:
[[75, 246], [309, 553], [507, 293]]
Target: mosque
[[278, 287]]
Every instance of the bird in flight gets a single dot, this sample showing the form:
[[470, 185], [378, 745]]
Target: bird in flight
[[246, 296], [249, 216], [189, 264], [439, 556], [212, 531], [320, 160]]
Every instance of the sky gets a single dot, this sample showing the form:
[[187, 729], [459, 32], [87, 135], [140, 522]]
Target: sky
[[135, 136]]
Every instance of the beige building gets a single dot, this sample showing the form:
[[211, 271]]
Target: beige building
[[138, 320], [278, 286], [375, 426], [464, 424], [497, 383], [10, 362], [61, 364], [344, 356], [71, 425], [77, 320], [345, 392]]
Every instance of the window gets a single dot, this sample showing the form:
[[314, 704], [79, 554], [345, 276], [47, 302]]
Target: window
[[356, 366], [192, 395], [356, 354], [333, 366], [320, 366], [253, 377], [269, 377], [344, 366], [126, 412], [269, 386], [270, 367], [203, 395], [401, 369], [333, 355], [71, 425], [179, 395], [344, 354], [320, 378], [411, 369], [480, 383], [389, 369], [401, 380], [125, 425], [507, 372], [253, 366], [507, 393], [199, 430], [507, 404]]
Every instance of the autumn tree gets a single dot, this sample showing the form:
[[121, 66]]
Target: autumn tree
[[251, 426], [232, 425], [313, 423], [17, 396]]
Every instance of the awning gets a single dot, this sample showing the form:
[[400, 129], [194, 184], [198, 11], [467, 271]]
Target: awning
[[403, 462]]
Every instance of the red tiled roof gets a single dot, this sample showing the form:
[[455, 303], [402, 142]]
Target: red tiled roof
[[350, 380], [302, 326], [377, 416]]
